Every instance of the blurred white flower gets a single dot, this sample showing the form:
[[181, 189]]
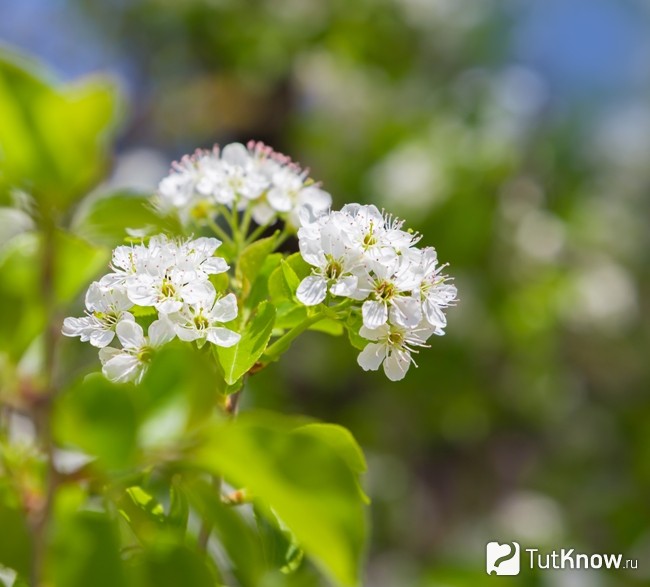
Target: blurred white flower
[[240, 177]]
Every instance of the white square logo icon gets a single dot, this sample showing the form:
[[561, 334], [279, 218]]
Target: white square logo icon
[[502, 559]]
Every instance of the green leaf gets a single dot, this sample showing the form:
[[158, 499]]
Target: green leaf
[[54, 138], [291, 277], [281, 549], [308, 480], [328, 326], [342, 441], [15, 551], [171, 565], [260, 288], [85, 552], [76, 263], [353, 325], [22, 313], [279, 290], [299, 266], [100, 418], [242, 546], [237, 360], [177, 393], [251, 261], [107, 218], [179, 509]]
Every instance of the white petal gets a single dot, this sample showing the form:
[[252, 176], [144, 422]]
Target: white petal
[[100, 337], [406, 311], [433, 313], [76, 327], [215, 265], [263, 214], [122, 368], [225, 309], [235, 154], [168, 306], [142, 294], [312, 290], [319, 200], [279, 200], [188, 334], [130, 334], [201, 292], [160, 332], [223, 337], [374, 314], [206, 246], [107, 353], [371, 357], [345, 286], [374, 333], [96, 298], [397, 364]]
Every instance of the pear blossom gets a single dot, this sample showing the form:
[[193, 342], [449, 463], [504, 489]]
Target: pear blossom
[[389, 285], [130, 362], [380, 237], [240, 177], [436, 293], [203, 321], [393, 346], [105, 308], [336, 267]]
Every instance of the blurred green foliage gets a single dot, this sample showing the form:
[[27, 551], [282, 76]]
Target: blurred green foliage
[[529, 420]]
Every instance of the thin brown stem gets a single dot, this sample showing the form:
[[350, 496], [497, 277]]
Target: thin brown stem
[[42, 406]]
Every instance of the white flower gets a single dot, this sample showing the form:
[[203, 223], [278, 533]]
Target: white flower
[[435, 292], [336, 266], [167, 292], [202, 321], [393, 346], [167, 273], [239, 177], [105, 308], [126, 262], [130, 362], [195, 260], [291, 191], [380, 237], [389, 286]]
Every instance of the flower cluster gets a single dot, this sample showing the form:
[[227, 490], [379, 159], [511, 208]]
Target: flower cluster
[[361, 254], [254, 177], [171, 278]]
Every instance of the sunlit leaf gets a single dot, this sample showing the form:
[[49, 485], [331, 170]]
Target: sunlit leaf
[[252, 259], [86, 552], [308, 481], [110, 218], [237, 360]]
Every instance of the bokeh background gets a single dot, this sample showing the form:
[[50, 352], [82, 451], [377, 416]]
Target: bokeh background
[[515, 135]]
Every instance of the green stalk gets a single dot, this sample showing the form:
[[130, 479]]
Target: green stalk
[[218, 231], [280, 345]]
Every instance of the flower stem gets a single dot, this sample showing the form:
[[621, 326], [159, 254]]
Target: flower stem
[[218, 231], [279, 346], [256, 233]]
